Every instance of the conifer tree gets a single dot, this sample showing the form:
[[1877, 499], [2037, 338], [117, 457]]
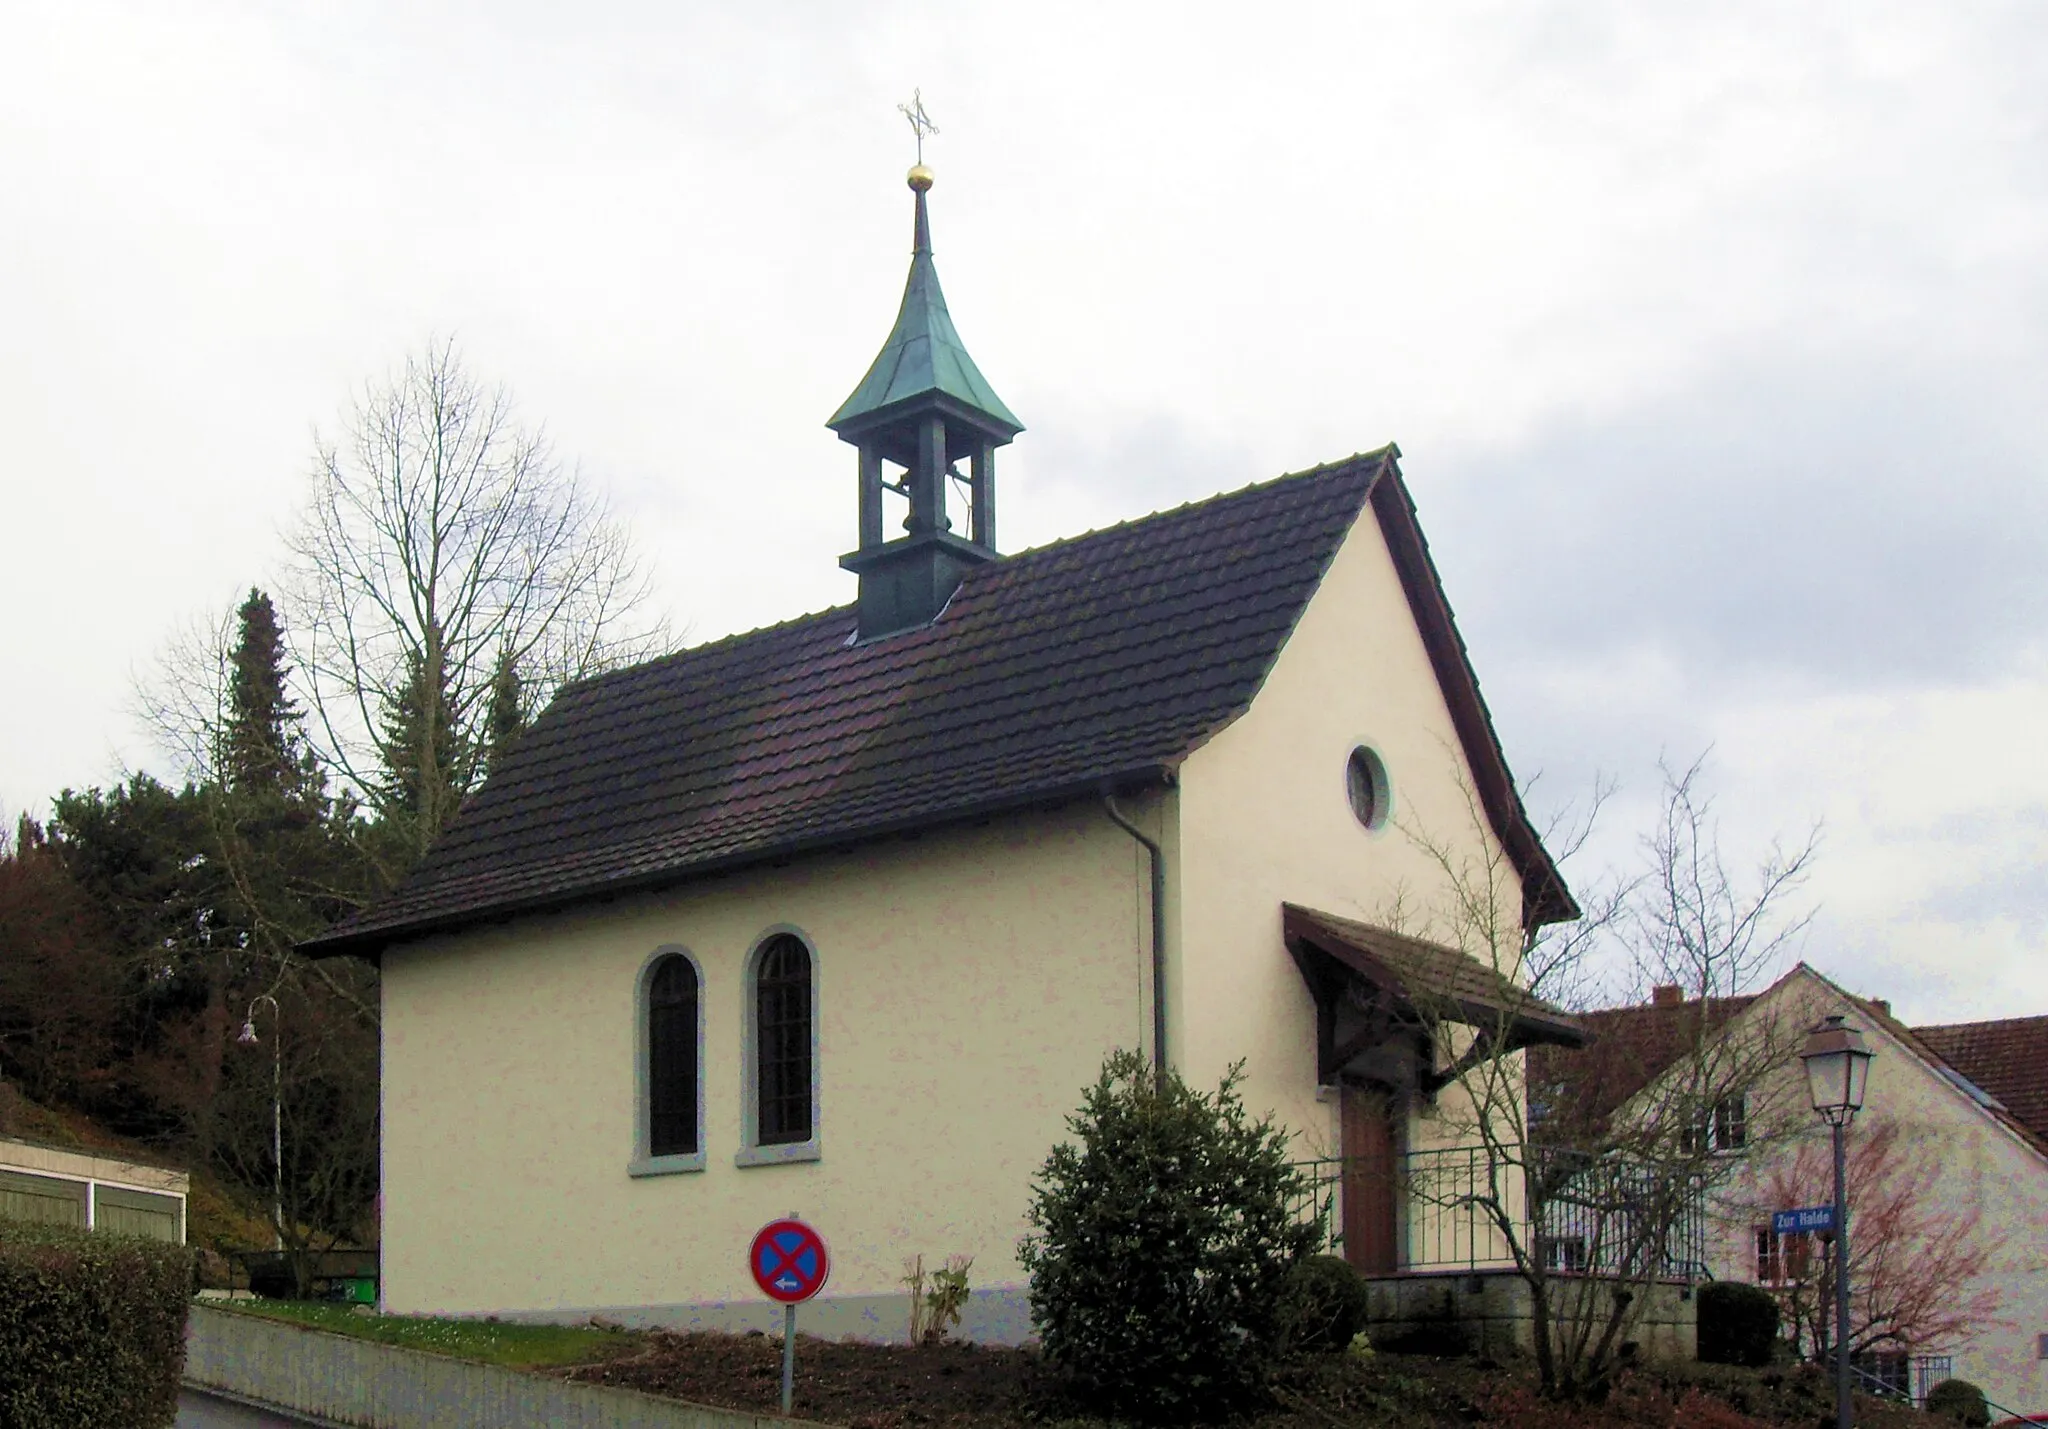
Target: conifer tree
[[265, 754], [505, 718], [426, 765]]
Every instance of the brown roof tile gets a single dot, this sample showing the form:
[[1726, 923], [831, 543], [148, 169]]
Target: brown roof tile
[[1099, 661], [1578, 1090], [2008, 1059], [1426, 975]]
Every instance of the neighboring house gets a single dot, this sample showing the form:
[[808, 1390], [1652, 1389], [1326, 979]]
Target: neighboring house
[[1964, 1109], [91, 1190], [841, 916]]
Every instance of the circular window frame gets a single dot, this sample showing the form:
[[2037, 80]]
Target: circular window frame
[[1367, 788]]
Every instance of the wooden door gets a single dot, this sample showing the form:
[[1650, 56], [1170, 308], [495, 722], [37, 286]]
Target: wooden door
[[1371, 1162]]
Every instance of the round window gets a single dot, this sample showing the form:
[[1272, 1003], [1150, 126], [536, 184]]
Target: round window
[[1365, 778]]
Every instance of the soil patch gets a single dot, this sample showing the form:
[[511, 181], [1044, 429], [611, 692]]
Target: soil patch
[[960, 1386]]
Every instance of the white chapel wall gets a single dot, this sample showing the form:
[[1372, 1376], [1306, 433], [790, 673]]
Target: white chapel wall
[[970, 983]]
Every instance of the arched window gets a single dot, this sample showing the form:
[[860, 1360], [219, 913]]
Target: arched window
[[669, 1134], [672, 1058], [782, 1043]]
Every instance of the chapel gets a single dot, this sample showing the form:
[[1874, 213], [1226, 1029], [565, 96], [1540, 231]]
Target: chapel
[[839, 917]]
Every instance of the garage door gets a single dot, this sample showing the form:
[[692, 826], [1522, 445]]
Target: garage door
[[42, 1198], [135, 1213]]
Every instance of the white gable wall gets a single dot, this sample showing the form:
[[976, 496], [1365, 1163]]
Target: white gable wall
[[1265, 818]]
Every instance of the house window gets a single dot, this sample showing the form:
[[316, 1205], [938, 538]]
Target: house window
[[1780, 1260], [1724, 1127], [1731, 1123], [672, 1057], [1889, 1372], [1365, 784], [670, 1070], [782, 1037], [1565, 1253]]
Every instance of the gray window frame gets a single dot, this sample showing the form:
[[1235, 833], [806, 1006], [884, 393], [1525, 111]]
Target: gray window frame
[[751, 1152], [644, 1163]]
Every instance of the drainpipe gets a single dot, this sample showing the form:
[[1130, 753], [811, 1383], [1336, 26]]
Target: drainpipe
[[1158, 856]]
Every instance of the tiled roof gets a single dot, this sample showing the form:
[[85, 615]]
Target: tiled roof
[[2008, 1059], [1099, 661], [1434, 977], [1630, 1048]]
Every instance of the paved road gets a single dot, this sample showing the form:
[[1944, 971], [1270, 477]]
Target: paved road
[[203, 1411]]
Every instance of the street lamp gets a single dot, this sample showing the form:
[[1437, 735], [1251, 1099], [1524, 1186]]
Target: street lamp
[[1837, 1070], [249, 1039]]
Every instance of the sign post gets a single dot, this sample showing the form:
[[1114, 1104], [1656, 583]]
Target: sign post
[[788, 1260]]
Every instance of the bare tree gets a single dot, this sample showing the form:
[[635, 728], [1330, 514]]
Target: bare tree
[[1918, 1259], [1589, 1172], [443, 541]]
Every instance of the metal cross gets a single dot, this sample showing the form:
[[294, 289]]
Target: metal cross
[[920, 122]]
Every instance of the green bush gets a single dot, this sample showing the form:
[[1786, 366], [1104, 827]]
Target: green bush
[[92, 1328], [1324, 1307], [1960, 1400], [1161, 1244], [1738, 1324]]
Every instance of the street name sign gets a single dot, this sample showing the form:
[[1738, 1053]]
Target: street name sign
[[1806, 1218]]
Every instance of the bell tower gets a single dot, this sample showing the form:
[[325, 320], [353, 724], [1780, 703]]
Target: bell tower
[[922, 414]]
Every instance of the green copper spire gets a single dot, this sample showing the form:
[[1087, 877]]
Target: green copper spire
[[924, 356]]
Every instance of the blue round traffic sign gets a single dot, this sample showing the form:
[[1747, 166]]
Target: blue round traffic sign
[[789, 1261]]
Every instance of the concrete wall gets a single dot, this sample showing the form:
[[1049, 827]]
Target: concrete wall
[[1492, 1314], [1965, 1158], [969, 985], [355, 1382]]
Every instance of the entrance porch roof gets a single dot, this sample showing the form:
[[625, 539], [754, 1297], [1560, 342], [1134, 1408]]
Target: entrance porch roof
[[1419, 980]]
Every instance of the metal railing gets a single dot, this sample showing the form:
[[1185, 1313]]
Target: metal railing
[[1573, 1213], [1899, 1376]]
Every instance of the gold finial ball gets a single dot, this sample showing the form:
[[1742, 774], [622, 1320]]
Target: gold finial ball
[[920, 178]]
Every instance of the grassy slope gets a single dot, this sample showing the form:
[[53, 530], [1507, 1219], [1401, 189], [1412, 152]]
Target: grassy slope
[[487, 1341]]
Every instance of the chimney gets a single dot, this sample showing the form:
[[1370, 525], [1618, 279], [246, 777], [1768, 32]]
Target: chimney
[[1668, 994], [1883, 1005]]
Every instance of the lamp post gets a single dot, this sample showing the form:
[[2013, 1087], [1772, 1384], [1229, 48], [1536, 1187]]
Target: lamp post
[[249, 1039], [1837, 1069]]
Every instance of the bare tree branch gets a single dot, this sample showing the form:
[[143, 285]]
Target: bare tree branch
[[439, 538]]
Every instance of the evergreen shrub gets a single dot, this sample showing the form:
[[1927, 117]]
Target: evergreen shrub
[[1738, 1324], [92, 1328], [1161, 1244], [1325, 1306], [1960, 1400]]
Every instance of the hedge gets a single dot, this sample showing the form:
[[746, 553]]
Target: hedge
[[1738, 1323], [1960, 1400], [92, 1328]]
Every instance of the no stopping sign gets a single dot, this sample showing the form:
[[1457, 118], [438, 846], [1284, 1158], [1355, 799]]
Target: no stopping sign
[[789, 1261]]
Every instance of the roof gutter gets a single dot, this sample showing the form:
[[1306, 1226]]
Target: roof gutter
[[1158, 857]]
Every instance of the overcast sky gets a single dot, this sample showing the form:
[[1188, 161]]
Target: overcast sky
[[1714, 337]]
